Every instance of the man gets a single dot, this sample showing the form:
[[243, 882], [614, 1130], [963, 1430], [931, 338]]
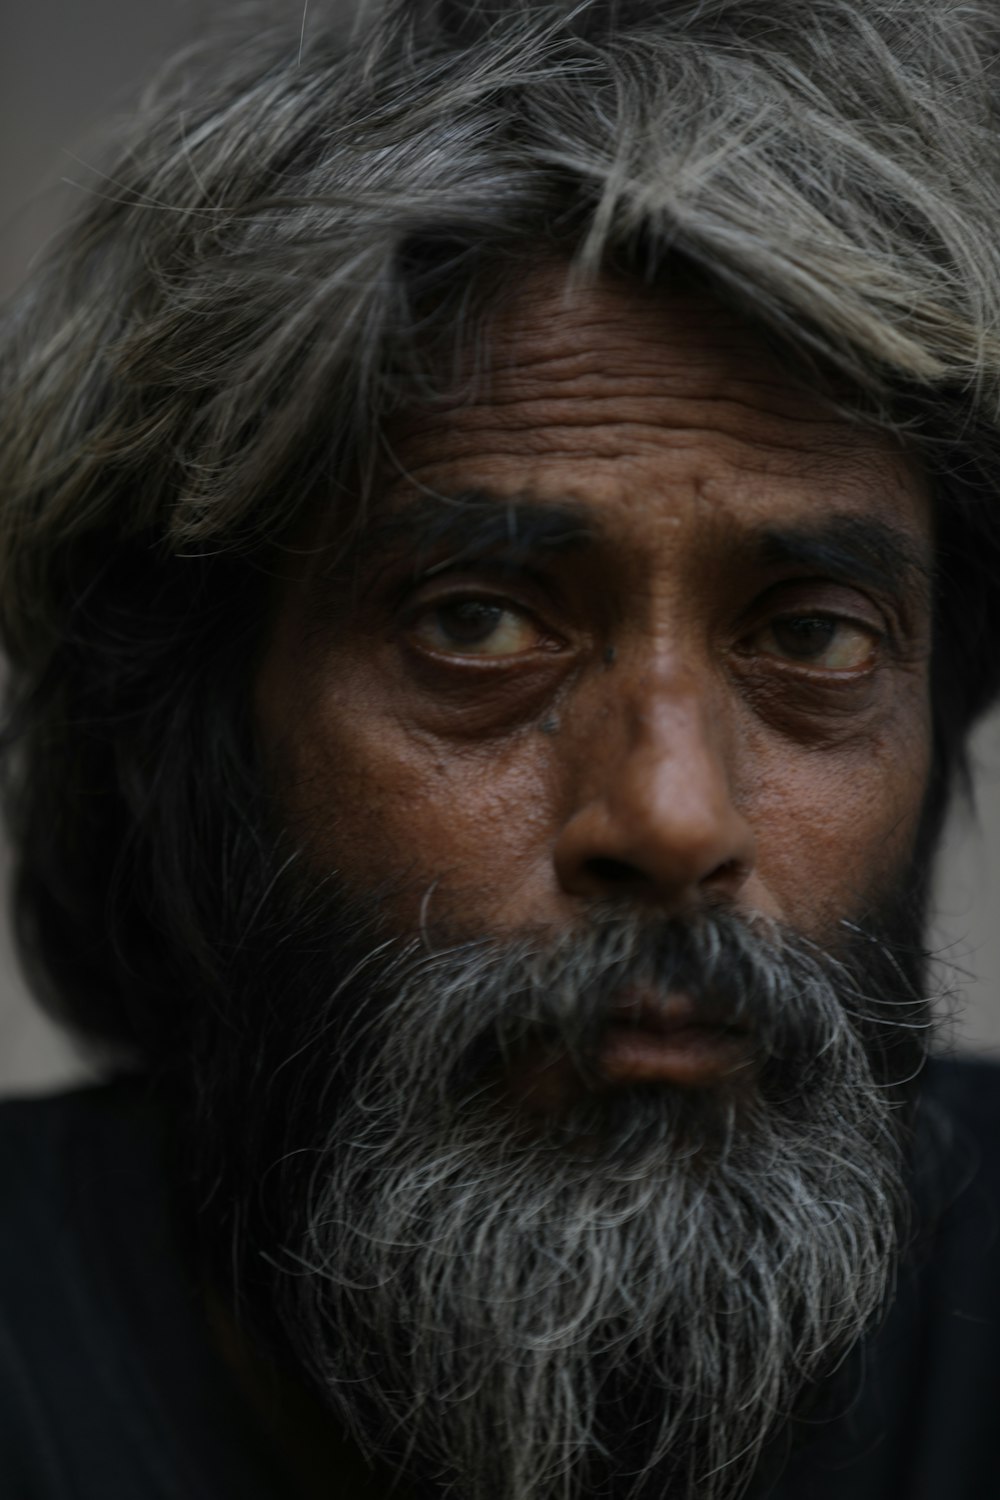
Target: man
[[499, 568]]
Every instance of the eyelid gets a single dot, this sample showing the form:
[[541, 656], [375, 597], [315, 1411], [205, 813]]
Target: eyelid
[[503, 566], [428, 597], [502, 580], [829, 597]]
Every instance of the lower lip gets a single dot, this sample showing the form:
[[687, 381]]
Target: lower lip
[[688, 1057]]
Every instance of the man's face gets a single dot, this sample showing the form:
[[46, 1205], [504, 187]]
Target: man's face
[[640, 621], [589, 1003]]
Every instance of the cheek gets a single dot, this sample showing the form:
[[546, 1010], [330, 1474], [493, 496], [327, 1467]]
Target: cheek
[[457, 833], [835, 831]]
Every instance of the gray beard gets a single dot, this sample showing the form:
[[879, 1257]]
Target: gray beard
[[631, 1296]]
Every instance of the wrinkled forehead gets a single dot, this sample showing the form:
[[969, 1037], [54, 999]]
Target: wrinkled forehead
[[641, 354], [636, 403], [643, 418]]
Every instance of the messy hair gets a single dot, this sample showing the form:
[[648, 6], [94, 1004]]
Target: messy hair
[[296, 227]]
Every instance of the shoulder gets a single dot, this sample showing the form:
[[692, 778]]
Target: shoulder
[[64, 1160], [957, 1145], [58, 1151], [62, 1157], [968, 1087], [69, 1164], [109, 1384], [30, 1126]]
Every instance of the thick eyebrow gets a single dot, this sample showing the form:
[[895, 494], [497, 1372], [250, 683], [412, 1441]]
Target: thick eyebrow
[[437, 532], [856, 549]]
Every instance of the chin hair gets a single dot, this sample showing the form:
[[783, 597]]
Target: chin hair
[[629, 1297]]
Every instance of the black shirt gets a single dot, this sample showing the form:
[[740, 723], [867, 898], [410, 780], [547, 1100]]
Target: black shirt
[[110, 1388]]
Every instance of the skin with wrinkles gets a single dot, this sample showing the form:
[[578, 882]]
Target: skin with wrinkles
[[633, 726]]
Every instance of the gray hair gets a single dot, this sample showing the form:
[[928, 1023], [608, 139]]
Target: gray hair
[[299, 228], [237, 290]]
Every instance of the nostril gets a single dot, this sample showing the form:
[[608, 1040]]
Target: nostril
[[615, 872]]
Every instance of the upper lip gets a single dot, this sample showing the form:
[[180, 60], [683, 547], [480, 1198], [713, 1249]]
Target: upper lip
[[670, 1011]]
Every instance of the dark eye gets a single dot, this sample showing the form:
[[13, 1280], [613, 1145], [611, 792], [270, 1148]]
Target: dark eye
[[828, 641], [476, 627]]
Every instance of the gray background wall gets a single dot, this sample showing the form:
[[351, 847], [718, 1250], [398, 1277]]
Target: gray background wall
[[65, 65]]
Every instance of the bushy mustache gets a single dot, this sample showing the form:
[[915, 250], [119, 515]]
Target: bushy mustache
[[747, 974]]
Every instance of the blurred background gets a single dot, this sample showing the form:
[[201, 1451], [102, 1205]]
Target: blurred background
[[65, 67]]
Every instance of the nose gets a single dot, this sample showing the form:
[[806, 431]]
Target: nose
[[657, 819]]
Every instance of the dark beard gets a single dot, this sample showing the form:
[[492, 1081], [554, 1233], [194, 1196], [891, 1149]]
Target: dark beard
[[627, 1298]]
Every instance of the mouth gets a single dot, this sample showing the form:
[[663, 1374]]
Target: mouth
[[669, 1039], [650, 1038]]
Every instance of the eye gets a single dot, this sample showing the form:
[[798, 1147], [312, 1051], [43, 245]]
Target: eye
[[477, 627], [829, 641]]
